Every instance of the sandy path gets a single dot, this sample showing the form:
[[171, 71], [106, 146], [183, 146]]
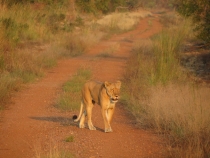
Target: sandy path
[[32, 125]]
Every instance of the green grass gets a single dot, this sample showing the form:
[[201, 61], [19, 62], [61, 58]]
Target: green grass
[[166, 47], [69, 139], [70, 98]]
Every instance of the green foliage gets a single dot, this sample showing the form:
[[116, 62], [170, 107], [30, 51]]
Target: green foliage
[[199, 10], [166, 48]]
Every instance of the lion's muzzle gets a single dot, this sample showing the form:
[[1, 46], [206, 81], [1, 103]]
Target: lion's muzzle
[[115, 99]]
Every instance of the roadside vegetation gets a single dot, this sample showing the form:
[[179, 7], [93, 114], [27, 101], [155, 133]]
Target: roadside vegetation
[[34, 35], [32, 38], [162, 96]]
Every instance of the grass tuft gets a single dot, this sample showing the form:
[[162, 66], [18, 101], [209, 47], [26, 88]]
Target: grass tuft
[[70, 98], [69, 139], [54, 152], [121, 22]]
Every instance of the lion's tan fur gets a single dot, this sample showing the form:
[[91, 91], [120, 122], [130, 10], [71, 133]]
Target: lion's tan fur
[[104, 94]]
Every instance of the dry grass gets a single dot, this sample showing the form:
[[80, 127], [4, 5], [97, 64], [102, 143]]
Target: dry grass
[[54, 151], [122, 21], [177, 110], [182, 112], [8, 85], [157, 92]]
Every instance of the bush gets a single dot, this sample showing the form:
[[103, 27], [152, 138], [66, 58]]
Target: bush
[[199, 10]]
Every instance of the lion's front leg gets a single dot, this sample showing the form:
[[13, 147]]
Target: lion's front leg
[[110, 113], [106, 121]]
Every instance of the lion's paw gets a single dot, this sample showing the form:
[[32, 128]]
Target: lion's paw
[[108, 130], [81, 126], [92, 128]]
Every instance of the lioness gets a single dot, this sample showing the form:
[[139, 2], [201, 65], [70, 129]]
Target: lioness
[[104, 94]]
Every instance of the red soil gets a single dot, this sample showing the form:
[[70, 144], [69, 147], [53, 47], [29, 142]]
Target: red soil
[[31, 125]]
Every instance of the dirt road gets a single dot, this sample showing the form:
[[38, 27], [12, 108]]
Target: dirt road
[[31, 125]]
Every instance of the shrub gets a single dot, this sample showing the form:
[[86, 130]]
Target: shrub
[[199, 10]]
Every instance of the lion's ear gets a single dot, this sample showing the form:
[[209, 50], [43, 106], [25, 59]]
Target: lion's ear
[[118, 84], [107, 84]]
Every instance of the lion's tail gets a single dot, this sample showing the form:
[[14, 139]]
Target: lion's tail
[[75, 118]]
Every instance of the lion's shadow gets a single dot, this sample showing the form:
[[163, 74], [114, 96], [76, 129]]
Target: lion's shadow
[[64, 121]]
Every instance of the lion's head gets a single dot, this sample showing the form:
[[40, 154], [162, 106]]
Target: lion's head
[[113, 90]]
